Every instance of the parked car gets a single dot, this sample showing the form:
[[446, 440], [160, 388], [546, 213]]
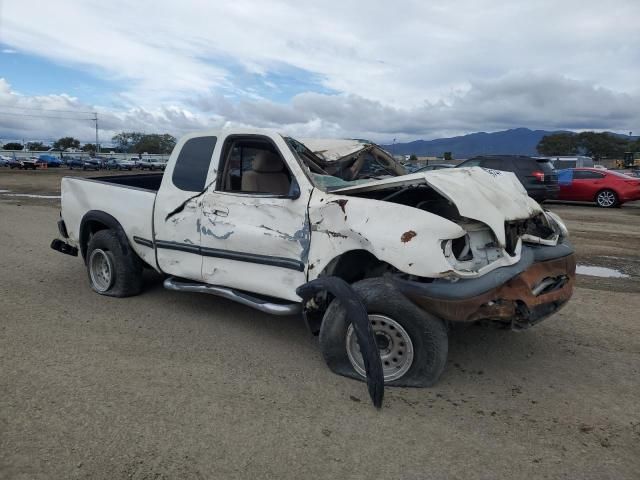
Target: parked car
[[434, 166], [419, 251], [606, 188], [91, 164], [14, 163], [151, 164], [28, 163], [117, 164], [73, 162], [537, 175], [50, 160], [4, 161]]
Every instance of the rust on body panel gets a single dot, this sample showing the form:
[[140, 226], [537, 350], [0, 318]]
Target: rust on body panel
[[506, 302]]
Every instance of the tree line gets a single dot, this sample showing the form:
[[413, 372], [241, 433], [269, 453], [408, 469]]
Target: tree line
[[124, 142], [592, 144], [136, 142]]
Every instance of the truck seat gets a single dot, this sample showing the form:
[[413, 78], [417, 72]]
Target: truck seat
[[267, 176]]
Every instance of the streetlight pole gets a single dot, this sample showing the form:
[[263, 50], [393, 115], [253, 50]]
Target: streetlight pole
[[95, 119]]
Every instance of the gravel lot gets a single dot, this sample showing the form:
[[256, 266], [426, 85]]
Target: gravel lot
[[174, 385]]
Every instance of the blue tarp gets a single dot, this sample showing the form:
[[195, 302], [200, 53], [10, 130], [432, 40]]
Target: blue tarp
[[565, 176], [51, 160]]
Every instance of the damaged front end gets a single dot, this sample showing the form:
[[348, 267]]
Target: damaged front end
[[499, 256]]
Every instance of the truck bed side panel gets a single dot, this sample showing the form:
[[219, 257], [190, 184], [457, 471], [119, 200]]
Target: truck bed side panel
[[131, 207]]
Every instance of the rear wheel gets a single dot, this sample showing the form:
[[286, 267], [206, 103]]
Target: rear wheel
[[607, 199], [413, 344], [113, 270]]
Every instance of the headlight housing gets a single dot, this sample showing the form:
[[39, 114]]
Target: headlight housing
[[557, 224]]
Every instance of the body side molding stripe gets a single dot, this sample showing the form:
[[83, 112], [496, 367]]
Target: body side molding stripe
[[226, 254], [143, 241]]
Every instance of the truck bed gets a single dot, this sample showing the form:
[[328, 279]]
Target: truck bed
[[150, 181], [127, 198]]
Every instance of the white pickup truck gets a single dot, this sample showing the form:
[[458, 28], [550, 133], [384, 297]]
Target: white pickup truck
[[253, 215], [150, 164]]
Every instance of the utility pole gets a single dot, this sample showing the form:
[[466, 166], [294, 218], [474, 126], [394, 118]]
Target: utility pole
[[95, 119]]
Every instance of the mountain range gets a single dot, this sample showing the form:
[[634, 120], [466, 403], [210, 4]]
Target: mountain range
[[517, 141]]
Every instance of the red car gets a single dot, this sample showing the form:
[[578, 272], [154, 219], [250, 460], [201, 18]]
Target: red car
[[605, 187]]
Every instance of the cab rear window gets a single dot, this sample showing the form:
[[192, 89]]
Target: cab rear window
[[192, 165]]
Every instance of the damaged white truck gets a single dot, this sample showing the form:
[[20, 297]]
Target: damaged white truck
[[254, 215]]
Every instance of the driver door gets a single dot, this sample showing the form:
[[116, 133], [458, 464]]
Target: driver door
[[253, 226]]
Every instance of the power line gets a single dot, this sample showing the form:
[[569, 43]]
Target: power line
[[46, 116], [45, 109]]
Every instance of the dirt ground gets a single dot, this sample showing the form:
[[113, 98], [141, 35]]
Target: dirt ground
[[175, 385]]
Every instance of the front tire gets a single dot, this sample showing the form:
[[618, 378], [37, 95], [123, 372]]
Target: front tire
[[607, 199], [113, 270], [413, 344]]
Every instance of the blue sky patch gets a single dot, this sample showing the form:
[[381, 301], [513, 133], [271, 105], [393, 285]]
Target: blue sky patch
[[33, 75]]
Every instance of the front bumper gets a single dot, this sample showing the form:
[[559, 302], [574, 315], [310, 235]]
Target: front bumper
[[520, 295]]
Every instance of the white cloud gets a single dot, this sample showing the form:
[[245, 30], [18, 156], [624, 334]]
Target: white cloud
[[546, 102], [408, 70], [48, 117]]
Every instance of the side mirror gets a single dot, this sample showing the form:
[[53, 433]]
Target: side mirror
[[294, 190]]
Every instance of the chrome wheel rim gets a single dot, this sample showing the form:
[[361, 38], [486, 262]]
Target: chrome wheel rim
[[606, 199], [100, 270], [394, 344]]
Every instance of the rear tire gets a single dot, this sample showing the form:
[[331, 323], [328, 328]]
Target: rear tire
[[606, 199], [111, 271], [404, 333]]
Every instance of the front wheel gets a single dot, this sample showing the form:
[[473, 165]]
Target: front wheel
[[413, 344], [607, 199], [113, 270]]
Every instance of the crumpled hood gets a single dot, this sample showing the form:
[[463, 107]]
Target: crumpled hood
[[489, 196]]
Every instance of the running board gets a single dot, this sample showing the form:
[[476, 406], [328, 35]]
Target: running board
[[261, 304]]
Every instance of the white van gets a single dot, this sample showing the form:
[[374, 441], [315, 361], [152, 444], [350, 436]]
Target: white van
[[578, 161]]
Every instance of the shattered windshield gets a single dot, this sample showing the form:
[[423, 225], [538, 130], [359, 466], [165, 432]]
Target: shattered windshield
[[362, 166]]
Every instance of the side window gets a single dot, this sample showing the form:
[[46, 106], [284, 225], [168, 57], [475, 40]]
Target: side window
[[253, 165], [192, 165], [493, 163], [586, 175], [474, 162]]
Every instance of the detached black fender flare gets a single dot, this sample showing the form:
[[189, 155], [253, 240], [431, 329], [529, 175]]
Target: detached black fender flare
[[98, 216], [357, 313]]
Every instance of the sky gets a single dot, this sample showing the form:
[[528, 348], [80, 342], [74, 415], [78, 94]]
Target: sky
[[359, 69]]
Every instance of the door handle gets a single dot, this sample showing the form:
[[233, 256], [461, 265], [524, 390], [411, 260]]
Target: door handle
[[220, 212]]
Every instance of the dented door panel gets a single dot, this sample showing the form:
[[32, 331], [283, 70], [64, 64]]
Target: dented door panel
[[256, 242], [259, 244]]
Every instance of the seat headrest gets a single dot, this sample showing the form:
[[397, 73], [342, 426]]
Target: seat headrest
[[267, 162]]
